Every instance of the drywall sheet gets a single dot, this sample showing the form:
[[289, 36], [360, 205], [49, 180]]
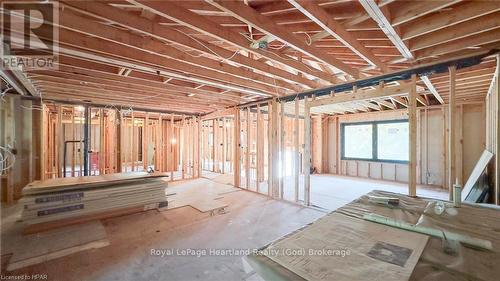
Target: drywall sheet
[[339, 247]]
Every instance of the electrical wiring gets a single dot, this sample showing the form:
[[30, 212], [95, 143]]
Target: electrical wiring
[[309, 41], [7, 159], [206, 47]]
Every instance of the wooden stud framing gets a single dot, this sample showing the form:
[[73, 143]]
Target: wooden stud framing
[[412, 124], [259, 139], [247, 148], [496, 193], [237, 146], [102, 149], [282, 150], [452, 132], [307, 153], [170, 141], [297, 151]]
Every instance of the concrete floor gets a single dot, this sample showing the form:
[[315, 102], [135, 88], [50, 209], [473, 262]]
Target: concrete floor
[[252, 221]]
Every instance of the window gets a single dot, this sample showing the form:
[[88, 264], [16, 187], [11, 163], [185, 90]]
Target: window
[[385, 141], [358, 141]]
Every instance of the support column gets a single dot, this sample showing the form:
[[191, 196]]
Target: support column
[[452, 132], [237, 146], [119, 140], [297, 152], [412, 123], [497, 138], [86, 143], [307, 153], [275, 150]]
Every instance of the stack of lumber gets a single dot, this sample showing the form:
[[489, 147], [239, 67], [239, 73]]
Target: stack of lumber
[[59, 202]]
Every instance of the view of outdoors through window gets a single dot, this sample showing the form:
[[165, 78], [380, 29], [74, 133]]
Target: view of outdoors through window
[[392, 141], [358, 141], [376, 141]]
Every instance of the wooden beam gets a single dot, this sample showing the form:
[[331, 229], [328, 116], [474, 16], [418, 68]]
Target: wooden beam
[[412, 124], [451, 132], [319, 16], [255, 19], [379, 92], [431, 88], [378, 16]]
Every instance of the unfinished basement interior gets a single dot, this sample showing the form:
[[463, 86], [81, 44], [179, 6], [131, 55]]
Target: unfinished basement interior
[[255, 140]]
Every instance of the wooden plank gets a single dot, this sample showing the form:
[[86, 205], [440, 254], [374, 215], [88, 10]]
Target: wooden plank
[[402, 88], [282, 150], [269, 148], [59, 142], [480, 166], [170, 141], [412, 123], [497, 130], [297, 151], [275, 150], [145, 142], [198, 150], [223, 145], [132, 142], [307, 153], [259, 139], [237, 147], [452, 132], [247, 149], [102, 150], [44, 247]]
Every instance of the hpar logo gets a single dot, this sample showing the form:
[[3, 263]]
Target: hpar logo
[[29, 35]]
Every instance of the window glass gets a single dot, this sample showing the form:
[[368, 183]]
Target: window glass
[[358, 141], [392, 141]]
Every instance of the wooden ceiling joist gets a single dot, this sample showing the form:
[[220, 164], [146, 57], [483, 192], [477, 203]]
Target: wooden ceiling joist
[[335, 29], [147, 27], [205, 26], [251, 17]]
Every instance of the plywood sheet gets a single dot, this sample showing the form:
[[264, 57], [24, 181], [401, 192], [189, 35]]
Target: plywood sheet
[[476, 173], [358, 250], [37, 248]]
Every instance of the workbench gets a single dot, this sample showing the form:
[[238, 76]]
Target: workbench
[[465, 263]]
